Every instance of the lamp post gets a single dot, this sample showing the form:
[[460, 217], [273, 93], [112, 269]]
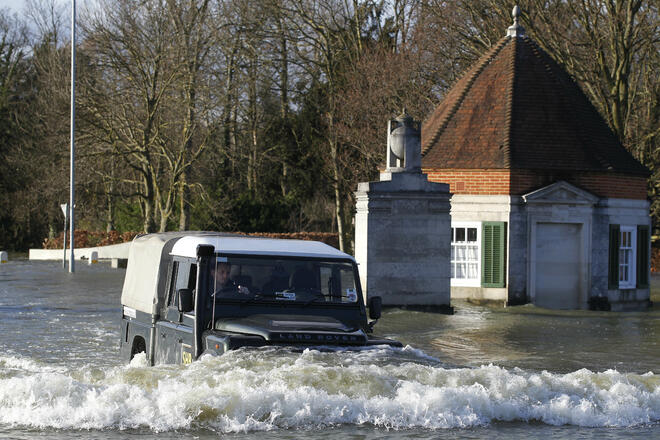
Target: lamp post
[[65, 211], [73, 127]]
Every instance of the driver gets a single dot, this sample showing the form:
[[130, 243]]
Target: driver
[[223, 283]]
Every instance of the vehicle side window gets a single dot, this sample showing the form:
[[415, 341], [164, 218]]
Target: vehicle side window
[[330, 282], [173, 300], [184, 276], [347, 280], [192, 279], [326, 280]]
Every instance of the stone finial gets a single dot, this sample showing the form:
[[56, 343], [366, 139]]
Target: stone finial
[[404, 152], [515, 30]]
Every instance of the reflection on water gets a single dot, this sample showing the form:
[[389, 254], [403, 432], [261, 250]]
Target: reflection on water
[[534, 338], [50, 315], [509, 373]]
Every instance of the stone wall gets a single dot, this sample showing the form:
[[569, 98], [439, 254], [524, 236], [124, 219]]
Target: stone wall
[[621, 212], [402, 240], [482, 208]]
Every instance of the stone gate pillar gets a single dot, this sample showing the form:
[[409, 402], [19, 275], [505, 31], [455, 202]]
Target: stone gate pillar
[[403, 227]]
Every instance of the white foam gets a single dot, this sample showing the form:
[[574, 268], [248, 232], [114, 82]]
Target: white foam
[[265, 389], [18, 363]]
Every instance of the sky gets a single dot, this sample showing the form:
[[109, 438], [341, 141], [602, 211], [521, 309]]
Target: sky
[[17, 5], [14, 5]]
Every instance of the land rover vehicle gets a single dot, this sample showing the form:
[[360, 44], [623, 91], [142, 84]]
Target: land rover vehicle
[[176, 306]]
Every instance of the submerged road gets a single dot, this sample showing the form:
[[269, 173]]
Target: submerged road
[[519, 372]]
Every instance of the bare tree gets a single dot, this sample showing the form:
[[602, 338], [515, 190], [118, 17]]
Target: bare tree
[[134, 45], [329, 33], [193, 40], [605, 45]]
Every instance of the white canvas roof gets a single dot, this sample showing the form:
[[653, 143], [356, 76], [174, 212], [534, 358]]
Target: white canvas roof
[[140, 290], [187, 247]]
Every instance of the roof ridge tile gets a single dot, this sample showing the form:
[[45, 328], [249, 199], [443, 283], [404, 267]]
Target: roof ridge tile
[[485, 60], [506, 144]]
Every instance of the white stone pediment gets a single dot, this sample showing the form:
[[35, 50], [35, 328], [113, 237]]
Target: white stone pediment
[[560, 193]]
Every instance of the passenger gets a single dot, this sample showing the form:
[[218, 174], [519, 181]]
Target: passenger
[[278, 282], [223, 284]]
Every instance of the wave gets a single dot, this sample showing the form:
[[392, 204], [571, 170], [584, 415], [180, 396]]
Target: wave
[[267, 389]]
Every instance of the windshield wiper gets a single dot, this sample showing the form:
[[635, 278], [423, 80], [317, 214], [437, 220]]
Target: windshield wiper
[[319, 296]]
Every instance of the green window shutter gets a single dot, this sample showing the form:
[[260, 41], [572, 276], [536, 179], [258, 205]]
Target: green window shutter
[[613, 272], [642, 256], [493, 244]]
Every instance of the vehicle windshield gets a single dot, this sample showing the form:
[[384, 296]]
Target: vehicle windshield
[[283, 279]]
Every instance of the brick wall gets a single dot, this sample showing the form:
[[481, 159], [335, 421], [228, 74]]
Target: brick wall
[[478, 182], [600, 184], [519, 182]]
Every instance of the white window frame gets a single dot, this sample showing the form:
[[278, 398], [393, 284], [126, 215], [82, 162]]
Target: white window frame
[[467, 282], [630, 265]]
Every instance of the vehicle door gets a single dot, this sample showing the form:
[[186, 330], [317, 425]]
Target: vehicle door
[[174, 332]]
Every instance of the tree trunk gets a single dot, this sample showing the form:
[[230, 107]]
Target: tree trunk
[[229, 114], [163, 222], [110, 225], [253, 123], [284, 105], [184, 208], [149, 221], [283, 185], [149, 202], [339, 214]]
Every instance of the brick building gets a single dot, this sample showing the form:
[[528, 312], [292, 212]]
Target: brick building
[[548, 206]]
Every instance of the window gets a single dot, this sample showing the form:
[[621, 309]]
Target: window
[[627, 244], [643, 256], [270, 278], [184, 276], [465, 254], [173, 300], [628, 257]]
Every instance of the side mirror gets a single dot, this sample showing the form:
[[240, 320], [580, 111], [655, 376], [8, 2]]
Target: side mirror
[[185, 300], [375, 306]]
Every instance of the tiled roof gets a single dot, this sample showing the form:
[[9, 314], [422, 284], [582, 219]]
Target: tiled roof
[[517, 109]]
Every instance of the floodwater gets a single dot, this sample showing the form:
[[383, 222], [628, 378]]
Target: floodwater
[[521, 372]]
